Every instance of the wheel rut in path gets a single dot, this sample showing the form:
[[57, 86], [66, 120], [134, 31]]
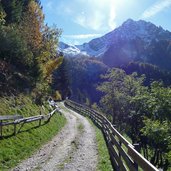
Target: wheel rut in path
[[73, 149]]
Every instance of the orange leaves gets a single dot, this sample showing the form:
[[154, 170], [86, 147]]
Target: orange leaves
[[51, 65], [31, 26]]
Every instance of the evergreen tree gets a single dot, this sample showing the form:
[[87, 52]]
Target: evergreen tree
[[27, 46], [61, 80], [13, 10]]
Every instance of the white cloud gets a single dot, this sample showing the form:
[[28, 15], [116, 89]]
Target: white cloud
[[156, 8], [91, 20], [112, 17], [82, 36], [92, 14]]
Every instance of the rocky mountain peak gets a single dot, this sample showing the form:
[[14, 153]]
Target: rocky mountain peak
[[129, 35]]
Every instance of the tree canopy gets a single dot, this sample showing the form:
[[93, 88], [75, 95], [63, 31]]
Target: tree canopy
[[28, 47], [143, 113]]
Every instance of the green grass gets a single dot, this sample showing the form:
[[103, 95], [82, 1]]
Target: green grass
[[16, 148], [104, 163]]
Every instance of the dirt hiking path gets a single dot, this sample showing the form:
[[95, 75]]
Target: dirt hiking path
[[73, 149]]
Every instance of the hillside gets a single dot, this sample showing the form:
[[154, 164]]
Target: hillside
[[27, 59], [80, 76], [27, 49]]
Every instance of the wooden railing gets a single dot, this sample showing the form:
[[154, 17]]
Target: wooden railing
[[19, 120], [123, 155]]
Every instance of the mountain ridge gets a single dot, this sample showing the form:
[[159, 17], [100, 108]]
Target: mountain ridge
[[133, 41], [129, 30]]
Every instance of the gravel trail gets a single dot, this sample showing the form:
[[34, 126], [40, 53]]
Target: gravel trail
[[73, 149]]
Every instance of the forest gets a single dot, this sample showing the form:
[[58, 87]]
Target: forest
[[135, 97], [141, 112], [27, 49]]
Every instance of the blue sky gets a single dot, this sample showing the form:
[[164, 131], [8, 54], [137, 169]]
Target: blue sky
[[83, 20]]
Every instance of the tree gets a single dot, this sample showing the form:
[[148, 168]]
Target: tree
[[27, 45], [156, 129], [84, 74], [31, 26], [2, 15], [13, 10], [142, 112], [159, 103], [118, 89], [13, 49], [61, 80], [159, 141], [47, 59]]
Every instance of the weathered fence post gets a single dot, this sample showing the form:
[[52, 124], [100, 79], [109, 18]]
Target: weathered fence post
[[49, 118], [137, 147], [40, 122], [0, 129], [41, 118], [15, 128], [120, 143]]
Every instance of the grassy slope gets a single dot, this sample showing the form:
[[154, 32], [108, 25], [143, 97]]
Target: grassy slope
[[104, 163], [19, 147]]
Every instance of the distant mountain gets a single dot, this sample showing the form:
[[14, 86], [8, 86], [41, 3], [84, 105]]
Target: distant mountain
[[151, 72], [69, 50], [138, 41], [132, 41]]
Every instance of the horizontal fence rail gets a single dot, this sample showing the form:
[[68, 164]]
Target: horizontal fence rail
[[123, 154], [19, 120]]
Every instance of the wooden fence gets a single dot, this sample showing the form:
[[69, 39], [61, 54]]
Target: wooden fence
[[19, 120], [123, 155]]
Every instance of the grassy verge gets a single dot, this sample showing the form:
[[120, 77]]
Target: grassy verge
[[16, 148], [104, 163]]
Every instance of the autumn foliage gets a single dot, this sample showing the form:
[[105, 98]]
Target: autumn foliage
[[27, 46]]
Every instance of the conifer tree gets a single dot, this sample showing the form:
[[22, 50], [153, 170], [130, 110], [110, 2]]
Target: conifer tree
[[13, 10], [61, 80]]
